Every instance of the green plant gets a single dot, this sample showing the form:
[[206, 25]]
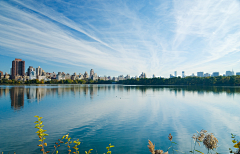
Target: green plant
[[39, 125], [236, 145], [89, 151], [108, 148]]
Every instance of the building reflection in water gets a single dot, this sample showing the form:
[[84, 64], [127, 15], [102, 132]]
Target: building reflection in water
[[17, 97]]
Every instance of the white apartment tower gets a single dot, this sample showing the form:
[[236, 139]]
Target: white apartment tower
[[39, 71]]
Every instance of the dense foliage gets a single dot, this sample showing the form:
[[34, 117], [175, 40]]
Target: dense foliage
[[54, 81], [219, 80]]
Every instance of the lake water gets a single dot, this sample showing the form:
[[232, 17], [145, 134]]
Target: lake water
[[125, 116]]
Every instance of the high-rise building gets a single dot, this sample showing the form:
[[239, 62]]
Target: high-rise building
[[91, 73], [215, 74], [29, 70], [143, 75], [85, 75], [183, 74], [18, 68], [200, 74], [175, 73], [237, 73], [229, 73], [39, 71], [154, 76]]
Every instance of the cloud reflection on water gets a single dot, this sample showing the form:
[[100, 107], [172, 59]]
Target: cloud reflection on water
[[98, 114]]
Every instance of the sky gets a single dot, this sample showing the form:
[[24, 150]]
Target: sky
[[121, 37]]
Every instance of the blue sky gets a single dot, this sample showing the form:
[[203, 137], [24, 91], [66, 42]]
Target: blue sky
[[121, 37]]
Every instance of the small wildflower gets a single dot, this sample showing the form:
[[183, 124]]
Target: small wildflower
[[170, 137]]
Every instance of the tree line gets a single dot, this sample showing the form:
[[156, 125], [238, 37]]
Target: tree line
[[219, 80], [54, 81]]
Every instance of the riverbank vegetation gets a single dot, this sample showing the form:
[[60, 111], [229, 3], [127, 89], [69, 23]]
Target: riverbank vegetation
[[54, 81], [207, 81]]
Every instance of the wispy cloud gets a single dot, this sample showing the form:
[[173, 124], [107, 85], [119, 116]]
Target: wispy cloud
[[124, 36]]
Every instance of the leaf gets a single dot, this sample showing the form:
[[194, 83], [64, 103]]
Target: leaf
[[234, 141], [56, 152], [45, 144], [36, 116], [236, 146]]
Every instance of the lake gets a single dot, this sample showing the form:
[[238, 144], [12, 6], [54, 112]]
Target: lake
[[125, 116]]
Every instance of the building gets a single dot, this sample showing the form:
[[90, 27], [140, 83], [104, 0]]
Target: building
[[237, 73], [127, 77], [1, 74], [175, 73], [85, 76], [193, 75], [32, 75], [80, 76], [206, 75], [115, 79], [215, 74], [229, 73], [183, 74], [143, 75], [94, 77], [172, 76], [18, 67], [39, 71], [29, 70], [120, 77], [200, 74], [91, 73], [154, 76]]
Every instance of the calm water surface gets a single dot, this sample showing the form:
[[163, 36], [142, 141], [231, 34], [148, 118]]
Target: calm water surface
[[125, 116]]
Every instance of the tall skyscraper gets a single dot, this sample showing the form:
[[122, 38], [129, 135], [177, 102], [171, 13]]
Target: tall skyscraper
[[183, 74], [18, 68], [39, 71], [91, 73], [175, 73]]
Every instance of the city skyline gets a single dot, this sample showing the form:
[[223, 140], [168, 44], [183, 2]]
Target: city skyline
[[123, 37], [19, 72]]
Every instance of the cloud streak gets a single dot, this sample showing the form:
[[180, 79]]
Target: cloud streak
[[124, 37]]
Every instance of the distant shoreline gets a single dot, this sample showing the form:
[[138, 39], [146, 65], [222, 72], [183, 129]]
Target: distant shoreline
[[177, 81]]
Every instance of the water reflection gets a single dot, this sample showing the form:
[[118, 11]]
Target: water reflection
[[17, 97], [117, 114], [37, 93]]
